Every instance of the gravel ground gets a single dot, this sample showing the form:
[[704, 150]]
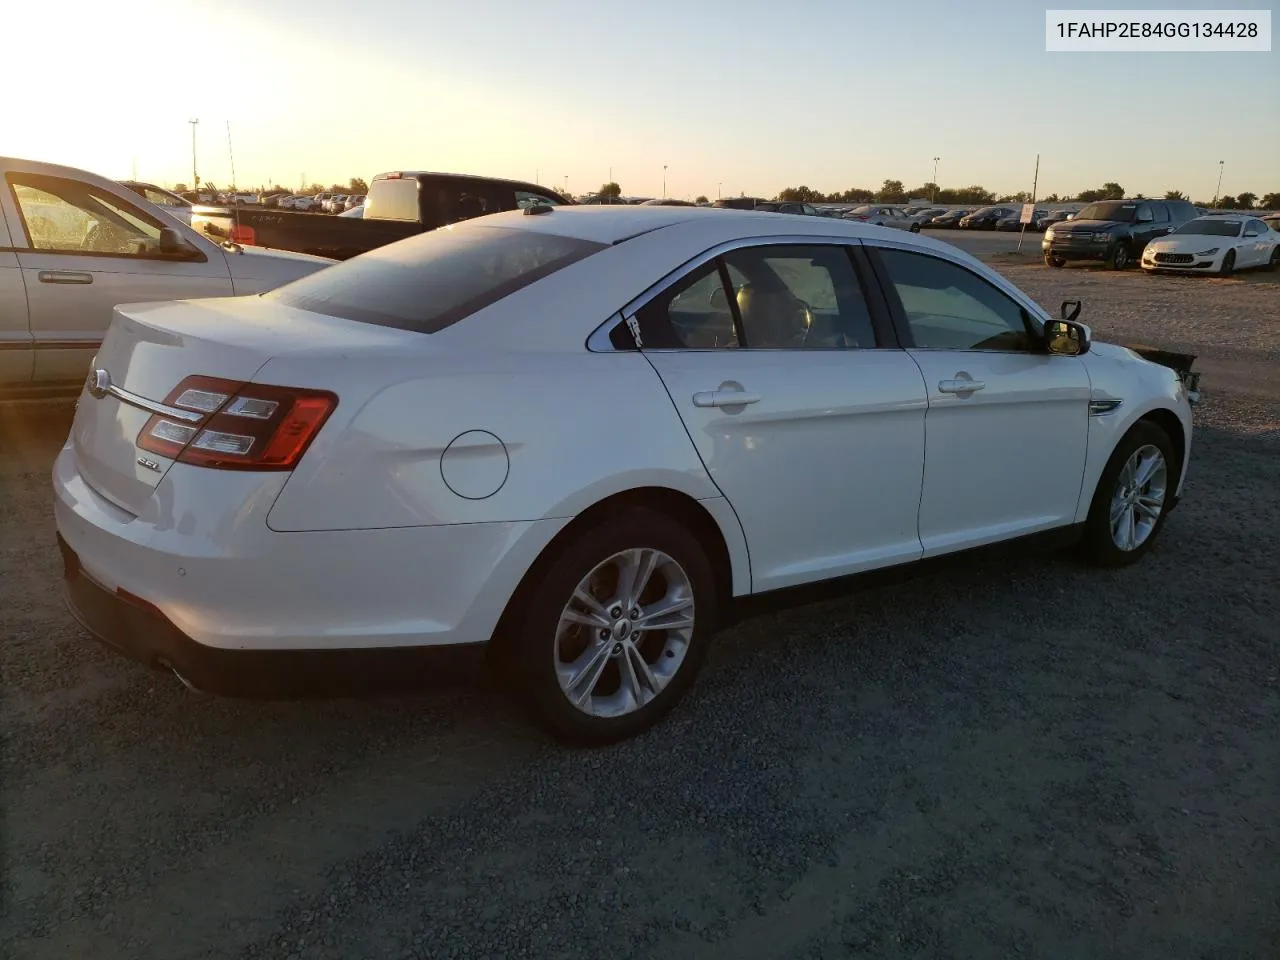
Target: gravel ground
[[1021, 758]]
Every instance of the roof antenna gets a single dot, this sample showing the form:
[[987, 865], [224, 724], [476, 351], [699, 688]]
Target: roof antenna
[[235, 203]]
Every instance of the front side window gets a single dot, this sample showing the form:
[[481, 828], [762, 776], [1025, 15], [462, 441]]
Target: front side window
[[68, 216], [948, 307], [433, 280], [694, 314], [162, 199], [799, 297]]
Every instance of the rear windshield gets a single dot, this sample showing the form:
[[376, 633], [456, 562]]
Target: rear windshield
[[433, 280], [1212, 228]]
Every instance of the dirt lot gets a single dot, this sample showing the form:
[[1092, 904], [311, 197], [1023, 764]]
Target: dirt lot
[[1025, 758]]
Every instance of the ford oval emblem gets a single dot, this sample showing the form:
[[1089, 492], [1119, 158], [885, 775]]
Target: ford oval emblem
[[98, 384]]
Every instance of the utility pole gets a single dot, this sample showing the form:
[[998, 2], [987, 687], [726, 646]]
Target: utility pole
[[1218, 190], [934, 181], [1035, 180], [195, 177], [664, 181]]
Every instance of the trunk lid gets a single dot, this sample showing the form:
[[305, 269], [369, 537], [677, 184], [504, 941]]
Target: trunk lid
[[151, 347]]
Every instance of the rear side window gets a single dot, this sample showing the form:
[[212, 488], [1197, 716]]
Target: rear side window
[[393, 200], [433, 280]]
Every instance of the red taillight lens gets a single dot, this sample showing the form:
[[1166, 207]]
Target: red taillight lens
[[241, 234], [242, 426]]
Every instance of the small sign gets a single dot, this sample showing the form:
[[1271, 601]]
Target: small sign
[[1028, 211]]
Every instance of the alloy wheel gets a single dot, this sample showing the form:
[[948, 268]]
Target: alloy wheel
[[624, 633], [1138, 498]]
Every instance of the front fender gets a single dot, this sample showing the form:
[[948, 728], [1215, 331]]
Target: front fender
[[1142, 388]]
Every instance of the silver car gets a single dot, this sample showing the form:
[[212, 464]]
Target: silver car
[[883, 215]]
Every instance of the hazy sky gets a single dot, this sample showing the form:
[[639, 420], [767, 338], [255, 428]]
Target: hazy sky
[[753, 95]]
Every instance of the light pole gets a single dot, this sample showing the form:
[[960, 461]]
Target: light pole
[[566, 184], [718, 186], [664, 181], [934, 181], [1218, 192], [195, 177]]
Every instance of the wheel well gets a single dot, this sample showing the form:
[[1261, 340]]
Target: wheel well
[[1168, 421], [672, 503]]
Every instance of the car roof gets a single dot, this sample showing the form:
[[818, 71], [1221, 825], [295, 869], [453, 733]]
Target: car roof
[[414, 174], [615, 224]]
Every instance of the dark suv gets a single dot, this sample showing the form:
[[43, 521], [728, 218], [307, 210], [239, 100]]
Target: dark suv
[[1113, 232]]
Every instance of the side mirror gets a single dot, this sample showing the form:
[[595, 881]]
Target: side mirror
[[1250, 233], [1070, 310], [1066, 338], [172, 244]]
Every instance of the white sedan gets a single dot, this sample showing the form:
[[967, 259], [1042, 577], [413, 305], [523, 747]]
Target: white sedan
[[1218, 244], [584, 436]]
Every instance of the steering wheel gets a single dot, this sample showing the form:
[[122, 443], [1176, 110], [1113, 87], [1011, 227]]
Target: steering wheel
[[101, 239]]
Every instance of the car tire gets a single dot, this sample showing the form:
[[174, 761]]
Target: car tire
[[1119, 529], [915, 228], [1119, 258], [538, 635], [1228, 264], [1274, 263], [1055, 262]]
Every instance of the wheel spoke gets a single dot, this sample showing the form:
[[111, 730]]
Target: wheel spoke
[[1118, 506], [1131, 529], [665, 615], [583, 679], [636, 574], [638, 675], [585, 619], [1149, 507], [585, 598], [1146, 470]]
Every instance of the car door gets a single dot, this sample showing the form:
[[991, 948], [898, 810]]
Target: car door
[[807, 417], [1007, 424], [1144, 228], [1256, 236], [83, 250], [15, 331]]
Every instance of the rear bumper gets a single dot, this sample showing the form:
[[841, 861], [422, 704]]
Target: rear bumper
[[138, 630], [205, 564]]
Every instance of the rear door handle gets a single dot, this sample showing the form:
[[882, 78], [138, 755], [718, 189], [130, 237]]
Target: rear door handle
[[960, 386], [724, 398], [64, 276]]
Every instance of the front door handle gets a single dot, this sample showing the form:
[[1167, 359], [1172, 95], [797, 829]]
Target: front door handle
[[960, 386], [64, 276], [724, 398]]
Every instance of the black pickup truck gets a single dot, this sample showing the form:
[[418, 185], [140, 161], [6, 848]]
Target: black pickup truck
[[398, 205]]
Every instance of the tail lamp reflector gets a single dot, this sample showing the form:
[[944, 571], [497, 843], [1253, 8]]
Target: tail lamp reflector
[[244, 426]]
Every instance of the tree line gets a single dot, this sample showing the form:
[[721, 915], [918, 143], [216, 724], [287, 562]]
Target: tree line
[[893, 191]]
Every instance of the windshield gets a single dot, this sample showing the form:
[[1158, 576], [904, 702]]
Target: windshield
[[1117, 210], [433, 280], [1212, 228]]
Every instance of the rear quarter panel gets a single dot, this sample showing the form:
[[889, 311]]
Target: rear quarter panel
[[571, 428]]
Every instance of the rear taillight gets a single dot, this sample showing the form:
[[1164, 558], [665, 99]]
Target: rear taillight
[[242, 426], [242, 234]]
